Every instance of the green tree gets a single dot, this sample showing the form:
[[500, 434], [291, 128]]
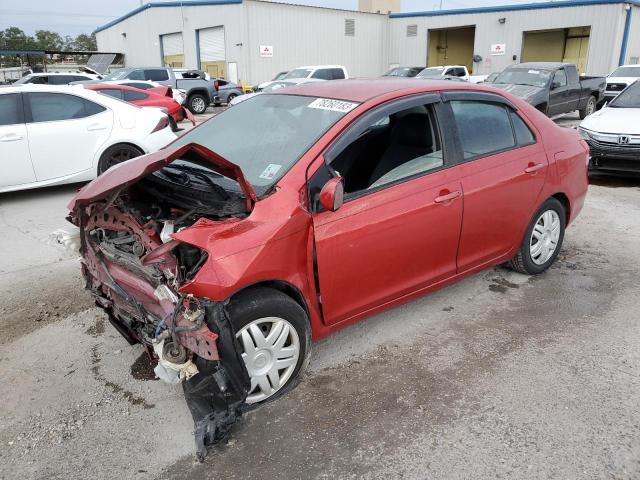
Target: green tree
[[86, 42], [47, 40], [13, 38]]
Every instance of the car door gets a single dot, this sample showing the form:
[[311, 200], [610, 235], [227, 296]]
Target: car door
[[558, 96], [396, 233], [65, 131], [14, 147], [503, 171]]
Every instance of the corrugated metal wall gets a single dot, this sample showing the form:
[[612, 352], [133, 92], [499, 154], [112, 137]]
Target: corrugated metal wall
[[606, 21]]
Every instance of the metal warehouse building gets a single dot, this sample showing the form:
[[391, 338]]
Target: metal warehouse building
[[252, 40]]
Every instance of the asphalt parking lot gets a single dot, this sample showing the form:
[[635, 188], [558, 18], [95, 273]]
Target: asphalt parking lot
[[499, 376]]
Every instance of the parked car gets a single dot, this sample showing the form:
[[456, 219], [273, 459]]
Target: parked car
[[199, 92], [620, 79], [320, 72], [491, 78], [50, 135], [403, 72], [56, 78], [459, 71], [227, 91], [613, 134], [279, 76], [290, 216], [178, 95], [159, 97], [553, 88], [273, 87]]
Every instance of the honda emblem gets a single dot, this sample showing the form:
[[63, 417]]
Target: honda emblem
[[623, 139]]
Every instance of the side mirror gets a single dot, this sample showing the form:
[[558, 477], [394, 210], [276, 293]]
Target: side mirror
[[555, 85], [332, 194]]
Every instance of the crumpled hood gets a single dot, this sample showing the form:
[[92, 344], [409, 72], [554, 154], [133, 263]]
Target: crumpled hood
[[526, 92], [129, 172], [620, 121]]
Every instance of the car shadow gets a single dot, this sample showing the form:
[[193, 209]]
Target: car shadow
[[41, 192], [614, 181]]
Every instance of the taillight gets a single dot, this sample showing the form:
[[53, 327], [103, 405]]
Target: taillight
[[163, 123], [216, 85]]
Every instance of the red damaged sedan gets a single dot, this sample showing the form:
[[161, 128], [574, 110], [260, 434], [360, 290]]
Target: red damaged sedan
[[297, 213], [160, 97]]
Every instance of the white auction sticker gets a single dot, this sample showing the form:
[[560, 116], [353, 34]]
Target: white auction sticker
[[270, 172], [333, 105]]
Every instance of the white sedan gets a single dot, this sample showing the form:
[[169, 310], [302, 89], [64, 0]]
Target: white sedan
[[50, 135], [613, 133]]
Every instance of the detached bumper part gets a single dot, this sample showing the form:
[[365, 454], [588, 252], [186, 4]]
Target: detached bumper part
[[216, 395]]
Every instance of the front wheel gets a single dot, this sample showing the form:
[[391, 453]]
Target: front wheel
[[542, 240], [117, 154], [589, 108], [274, 336]]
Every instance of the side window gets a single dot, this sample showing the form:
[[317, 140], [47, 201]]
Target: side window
[[139, 85], [159, 75], [92, 108], [450, 72], [50, 107], [130, 96], [111, 92], [337, 74], [322, 73], [10, 109], [524, 136], [459, 72], [560, 77], [483, 127], [39, 80], [392, 148], [136, 75]]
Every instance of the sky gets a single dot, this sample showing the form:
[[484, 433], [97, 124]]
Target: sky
[[71, 17]]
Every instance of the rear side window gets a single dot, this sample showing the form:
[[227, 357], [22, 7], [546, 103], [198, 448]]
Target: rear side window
[[156, 75], [140, 85], [134, 96], [524, 136], [51, 107], [337, 74], [484, 128], [10, 109], [112, 92], [322, 74], [39, 80]]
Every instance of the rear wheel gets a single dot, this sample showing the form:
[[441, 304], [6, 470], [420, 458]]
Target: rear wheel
[[231, 97], [117, 154], [589, 108], [197, 103], [542, 240], [274, 335]]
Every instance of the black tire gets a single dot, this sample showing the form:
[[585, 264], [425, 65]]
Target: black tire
[[261, 302], [173, 124], [197, 103], [231, 97], [117, 154], [590, 107], [523, 261]]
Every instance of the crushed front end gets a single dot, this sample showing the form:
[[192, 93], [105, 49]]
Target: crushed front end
[[136, 272]]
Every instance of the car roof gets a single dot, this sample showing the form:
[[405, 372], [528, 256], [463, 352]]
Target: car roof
[[540, 65], [37, 87], [319, 66], [42, 74], [361, 90]]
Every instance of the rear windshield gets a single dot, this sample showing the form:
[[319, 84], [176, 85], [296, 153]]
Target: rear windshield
[[266, 135], [628, 98], [626, 72], [524, 76]]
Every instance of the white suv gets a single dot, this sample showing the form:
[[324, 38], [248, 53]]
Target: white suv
[[319, 72]]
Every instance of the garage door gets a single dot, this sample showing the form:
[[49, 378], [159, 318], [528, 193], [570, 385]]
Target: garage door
[[212, 52], [451, 46], [172, 50], [569, 45]]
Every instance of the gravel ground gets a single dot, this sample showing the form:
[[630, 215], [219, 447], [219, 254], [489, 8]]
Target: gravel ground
[[499, 376]]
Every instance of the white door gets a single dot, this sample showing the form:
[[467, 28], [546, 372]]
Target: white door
[[232, 72], [15, 161], [64, 132]]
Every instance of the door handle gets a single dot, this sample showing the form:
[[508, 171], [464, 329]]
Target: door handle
[[11, 137], [447, 197], [96, 126], [534, 167]]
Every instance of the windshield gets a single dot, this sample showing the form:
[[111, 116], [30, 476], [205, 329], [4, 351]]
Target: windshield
[[431, 72], [277, 86], [117, 74], [299, 73], [403, 72], [626, 72], [266, 136], [524, 76], [280, 76], [628, 98]]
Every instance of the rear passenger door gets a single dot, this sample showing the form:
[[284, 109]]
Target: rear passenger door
[[15, 160], [65, 131], [503, 171]]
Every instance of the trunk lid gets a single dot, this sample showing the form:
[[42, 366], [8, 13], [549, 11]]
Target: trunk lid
[[127, 173]]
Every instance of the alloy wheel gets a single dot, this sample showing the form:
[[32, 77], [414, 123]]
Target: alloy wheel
[[544, 237], [198, 105], [591, 106], [270, 350]]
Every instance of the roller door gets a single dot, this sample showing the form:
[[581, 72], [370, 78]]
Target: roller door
[[212, 51], [172, 50]]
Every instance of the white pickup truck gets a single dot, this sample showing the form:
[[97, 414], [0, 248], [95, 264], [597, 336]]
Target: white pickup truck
[[459, 71]]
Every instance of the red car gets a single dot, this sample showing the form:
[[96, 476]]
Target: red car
[[295, 214], [160, 97]]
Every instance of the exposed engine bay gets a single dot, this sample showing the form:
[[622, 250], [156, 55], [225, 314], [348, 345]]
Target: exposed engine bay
[[136, 270]]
